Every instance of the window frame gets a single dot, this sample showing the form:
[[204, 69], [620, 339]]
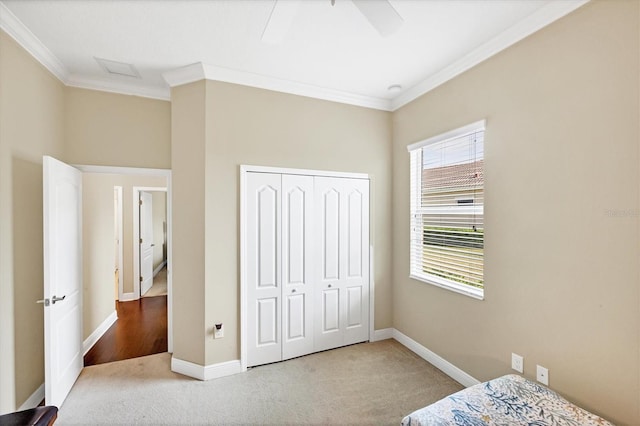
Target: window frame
[[414, 198]]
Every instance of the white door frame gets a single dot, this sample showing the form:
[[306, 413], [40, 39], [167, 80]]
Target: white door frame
[[149, 172], [120, 232], [244, 169], [136, 231]]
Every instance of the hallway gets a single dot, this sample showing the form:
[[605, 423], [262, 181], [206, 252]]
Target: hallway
[[159, 287], [141, 329]]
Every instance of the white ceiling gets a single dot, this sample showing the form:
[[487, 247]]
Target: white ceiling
[[330, 52]]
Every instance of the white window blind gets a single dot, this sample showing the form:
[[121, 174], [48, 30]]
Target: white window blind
[[447, 210]]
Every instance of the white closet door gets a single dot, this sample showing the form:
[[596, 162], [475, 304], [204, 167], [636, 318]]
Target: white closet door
[[356, 295], [297, 265], [342, 271], [263, 274]]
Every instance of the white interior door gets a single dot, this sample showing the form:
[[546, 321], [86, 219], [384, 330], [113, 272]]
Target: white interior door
[[342, 271], [297, 265], [62, 211], [263, 274], [146, 241]]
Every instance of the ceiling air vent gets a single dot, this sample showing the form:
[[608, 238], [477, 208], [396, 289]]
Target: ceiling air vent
[[118, 68]]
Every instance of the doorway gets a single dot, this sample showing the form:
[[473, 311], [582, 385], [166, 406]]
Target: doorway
[[150, 248], [83, 224], [119, 182]]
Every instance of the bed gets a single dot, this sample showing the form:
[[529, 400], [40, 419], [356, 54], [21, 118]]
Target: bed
[[507, 400]]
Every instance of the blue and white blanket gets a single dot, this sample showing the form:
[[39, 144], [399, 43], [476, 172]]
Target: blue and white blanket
[[507, 400]]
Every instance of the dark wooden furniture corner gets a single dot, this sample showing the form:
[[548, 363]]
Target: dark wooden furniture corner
[[39, 416]]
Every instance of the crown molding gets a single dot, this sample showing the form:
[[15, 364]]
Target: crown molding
[[119, 87], [200, 71], [29, 42], [544, 16], [294, 88], [185, 75], [541, 18]]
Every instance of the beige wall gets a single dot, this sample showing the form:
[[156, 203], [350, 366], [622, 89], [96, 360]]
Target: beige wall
[[116, 130], [98, 250], [245, 125], [98, 241], [159, 222], [561, 150], [188, 220], [31, 125]]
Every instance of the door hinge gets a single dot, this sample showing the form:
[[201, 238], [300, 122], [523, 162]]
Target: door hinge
[[140, 279], [140, 202], [140, 240]]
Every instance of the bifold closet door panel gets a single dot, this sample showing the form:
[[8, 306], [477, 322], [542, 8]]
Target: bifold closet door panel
[[297, 265], [356, 295], [263, 272], [342, 262]]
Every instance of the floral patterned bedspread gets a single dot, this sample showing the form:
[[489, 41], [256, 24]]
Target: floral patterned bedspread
[[507, 400]]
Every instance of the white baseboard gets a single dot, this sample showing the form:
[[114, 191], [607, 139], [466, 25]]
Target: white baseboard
[[207, 372], [442, 364], [187, 368], [159, 268], [35, 399], [383, 334], [127, 297], [229, 368], [222, 369], [98, 332]]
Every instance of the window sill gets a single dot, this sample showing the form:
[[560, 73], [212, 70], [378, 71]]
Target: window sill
[[475, 293]]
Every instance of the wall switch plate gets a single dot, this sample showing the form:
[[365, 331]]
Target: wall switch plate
[[542, 375], [517, 363], [218, 331]]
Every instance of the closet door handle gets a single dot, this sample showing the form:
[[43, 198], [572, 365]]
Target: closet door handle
[[293, 291], [329, 286]]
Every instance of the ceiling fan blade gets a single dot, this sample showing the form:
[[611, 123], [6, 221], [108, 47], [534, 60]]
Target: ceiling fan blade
[[381, 15], [280, 20]]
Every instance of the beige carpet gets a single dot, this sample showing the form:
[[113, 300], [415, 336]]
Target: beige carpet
[[370, 383], [159, 287]]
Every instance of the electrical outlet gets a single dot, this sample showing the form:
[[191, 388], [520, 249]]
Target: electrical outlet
[[218, 331], [517, 363], [542, 375]]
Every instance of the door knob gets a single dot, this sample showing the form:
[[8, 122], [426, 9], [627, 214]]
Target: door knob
[[329, 285], [293, 291], [55, 299]]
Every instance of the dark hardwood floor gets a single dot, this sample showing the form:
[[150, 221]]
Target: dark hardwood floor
[[141, 329]]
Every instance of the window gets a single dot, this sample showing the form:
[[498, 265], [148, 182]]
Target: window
[[447, 210]]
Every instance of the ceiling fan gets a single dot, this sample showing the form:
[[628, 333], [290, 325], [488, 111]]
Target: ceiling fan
[[380, 14]]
